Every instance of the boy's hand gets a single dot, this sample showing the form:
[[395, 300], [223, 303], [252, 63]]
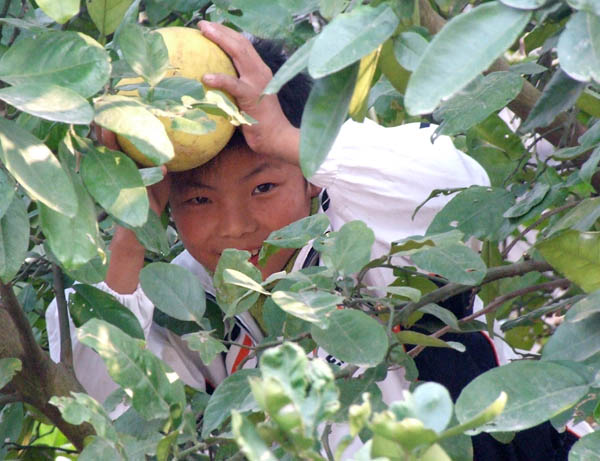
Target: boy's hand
[[273, 134]]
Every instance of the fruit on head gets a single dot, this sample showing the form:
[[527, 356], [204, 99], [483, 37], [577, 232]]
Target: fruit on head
[[191, 55]]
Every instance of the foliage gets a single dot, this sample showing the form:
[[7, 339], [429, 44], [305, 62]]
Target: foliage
[[454, 62]]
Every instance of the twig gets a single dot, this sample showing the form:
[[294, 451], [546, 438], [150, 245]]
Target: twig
[[451, 289], [495, 304], [38, 447], [66, 348], [540, 220], [325, 440]]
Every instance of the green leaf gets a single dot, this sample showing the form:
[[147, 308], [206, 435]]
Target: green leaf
[[89, 302], [348, 250], [295, 64], [131, 119], [349, 37], [73, 240], [215, 99], [67, 59], [233, 299], [580, 218], [528, 201], [416, 338], [8, 368], [36, 169], [536, 391], [408, 49], [107, 14], [92, 272], [311, 306], [50, 102], [174, 290], [574, 341], [323, 116], [134, 368], [203, 343], [151, 175], [115, 182], [231, 394], [590, 166], [406, 292], [476, 211], [60, 11], [559, 94], [352, 336], [477, 101], [152, 234], [433, 405], [14, 239], [590, 6], [7, 192], [294, 235], [467, 44], [585, 308], [265, 19], [445, 315], [579, 47], [145, 52], [174, 88], [525, 4], [587, 448], [99, 448], [458, 263], [248, 439], [575, 255], [81, 408]]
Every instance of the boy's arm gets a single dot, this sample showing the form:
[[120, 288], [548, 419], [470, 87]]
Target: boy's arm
[[273, 134]]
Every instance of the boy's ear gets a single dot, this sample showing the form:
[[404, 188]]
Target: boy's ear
[[313, 190]]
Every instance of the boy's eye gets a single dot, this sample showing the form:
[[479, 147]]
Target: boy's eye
[[200, 200], [262, 188]]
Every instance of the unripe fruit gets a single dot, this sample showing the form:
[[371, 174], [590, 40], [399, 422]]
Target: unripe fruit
[[191, 55]]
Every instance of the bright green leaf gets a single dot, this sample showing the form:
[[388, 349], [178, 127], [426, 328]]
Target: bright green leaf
[[129, 118], [525, 4], [408, 49], [14, 239], [36, 169], [67, 59], [89, 302], [8, 368], [107, 14], [233, 299], [349, 249], [467, 44], [203, 343], [528, 201], [311, 306], [134, 368], [323, 116], [349, 37], [536, 391], [61, 11], [352, 336], [420, 339], [145, 52], [458, 263], [587, 448], [579, 47], [248, 439], [174, 290]]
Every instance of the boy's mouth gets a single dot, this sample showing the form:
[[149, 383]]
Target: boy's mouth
[[254, 256]]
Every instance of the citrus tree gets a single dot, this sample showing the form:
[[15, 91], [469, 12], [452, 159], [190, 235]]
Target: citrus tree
[[514, 82]]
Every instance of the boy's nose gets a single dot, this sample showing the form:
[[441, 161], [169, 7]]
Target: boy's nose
[[236, 221]]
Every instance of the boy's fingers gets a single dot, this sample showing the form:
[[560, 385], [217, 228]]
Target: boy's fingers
[[107, 138], [227, 83]]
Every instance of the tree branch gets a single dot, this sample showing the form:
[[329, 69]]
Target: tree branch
[[452, 289], [495, 304], [66, 348], [9, 398]]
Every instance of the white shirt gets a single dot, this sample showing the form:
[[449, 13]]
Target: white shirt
[[374, 174]]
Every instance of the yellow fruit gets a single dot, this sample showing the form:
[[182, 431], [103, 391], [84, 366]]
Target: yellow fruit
[[191, 55]]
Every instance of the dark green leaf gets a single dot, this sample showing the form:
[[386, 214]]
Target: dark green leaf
[[590, 166], [323, 116], [32, 164], [579, 47], [585, 308], [145, 52], [115, 182], [574, 341], [50, 102], [536, 390], [131, 119], [478, 100], [92, 272], [349, 37], [174, 290], [89, 302], [174, 88], [311, 306], [458, 263], [476, 211], [67, 59], [265, 19], [14, 239], [591, 6], [408, 49], [528, 201], [560, 94], [152, 234], [99, 448], [467, 44], [445, 315], [107, 14], [292, 67], [352, 336], [203, 343], [8, 368], [134, 368], [575, 255], [232, 393], [7, 192], [416, 338]]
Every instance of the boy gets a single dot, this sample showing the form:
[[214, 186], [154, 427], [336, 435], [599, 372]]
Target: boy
[[253, 187]]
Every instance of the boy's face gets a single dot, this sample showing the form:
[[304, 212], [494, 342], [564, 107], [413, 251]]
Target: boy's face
[[236, 202]]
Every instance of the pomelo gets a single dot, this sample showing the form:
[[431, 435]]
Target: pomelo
[[191, 55]]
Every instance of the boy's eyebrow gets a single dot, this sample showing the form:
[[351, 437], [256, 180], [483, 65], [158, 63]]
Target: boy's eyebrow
[[258, 169]]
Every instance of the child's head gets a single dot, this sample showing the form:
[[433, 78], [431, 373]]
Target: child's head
[[237, 199]]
